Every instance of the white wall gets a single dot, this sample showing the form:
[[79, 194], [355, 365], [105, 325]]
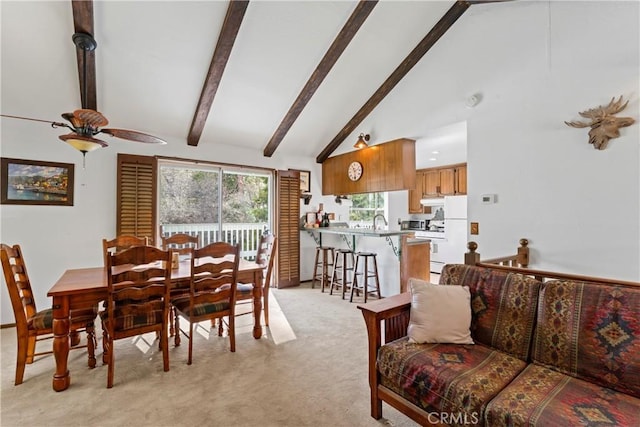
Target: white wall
[[578, 206], [56, 238]]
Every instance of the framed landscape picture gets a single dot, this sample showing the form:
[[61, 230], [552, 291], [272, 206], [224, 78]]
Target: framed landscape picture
[[33, 182]]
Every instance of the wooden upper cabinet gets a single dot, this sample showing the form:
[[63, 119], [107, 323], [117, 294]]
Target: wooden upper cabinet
[[461, 179], [437, 182], [416, 194], [384, 168], [447, 182], [431, 186]]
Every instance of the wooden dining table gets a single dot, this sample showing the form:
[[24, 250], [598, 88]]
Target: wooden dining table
[[86, 287]]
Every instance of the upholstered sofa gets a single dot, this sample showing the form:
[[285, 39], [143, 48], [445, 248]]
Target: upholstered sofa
[[559, 353]]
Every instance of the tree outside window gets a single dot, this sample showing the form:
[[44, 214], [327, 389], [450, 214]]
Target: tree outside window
[[364, 207], [191, 196]]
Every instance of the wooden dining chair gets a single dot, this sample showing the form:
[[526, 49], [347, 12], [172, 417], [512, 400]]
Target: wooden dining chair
[[139, 280], [212, 291], [120, 243], [265, 257], [180, 242], [33, 325], [183, 244]]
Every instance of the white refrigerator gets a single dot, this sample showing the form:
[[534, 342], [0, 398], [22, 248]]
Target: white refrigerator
[[455, 230]]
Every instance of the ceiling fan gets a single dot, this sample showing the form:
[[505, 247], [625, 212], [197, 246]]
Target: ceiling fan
[[85, 123]]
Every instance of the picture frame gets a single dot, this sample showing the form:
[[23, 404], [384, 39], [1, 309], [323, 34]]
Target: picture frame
[[305, 181], [311, 217], [35, 182]]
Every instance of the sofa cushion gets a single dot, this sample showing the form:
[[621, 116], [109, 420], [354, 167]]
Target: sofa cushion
[[503, 306], [541, 396], [452, 378], [591, 331], [430, 304]]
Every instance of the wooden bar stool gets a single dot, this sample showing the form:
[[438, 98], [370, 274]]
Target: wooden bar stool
[[366, 275], [323, 261], [341, 267]]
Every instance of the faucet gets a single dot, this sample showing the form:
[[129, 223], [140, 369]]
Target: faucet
[[383, 218]]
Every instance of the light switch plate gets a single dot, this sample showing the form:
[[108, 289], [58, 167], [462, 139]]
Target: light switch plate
[[474, 228]]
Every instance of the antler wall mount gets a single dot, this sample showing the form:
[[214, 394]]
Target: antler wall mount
[[604, 125]]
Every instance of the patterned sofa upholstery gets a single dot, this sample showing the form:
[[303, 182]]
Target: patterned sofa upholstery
[[586, 360], [559, 352]]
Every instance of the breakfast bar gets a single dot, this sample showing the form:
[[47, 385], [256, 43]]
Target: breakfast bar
[[413, 254], [353, 232]]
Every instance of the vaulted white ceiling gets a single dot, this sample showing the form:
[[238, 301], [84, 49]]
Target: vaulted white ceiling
[[152, 59]]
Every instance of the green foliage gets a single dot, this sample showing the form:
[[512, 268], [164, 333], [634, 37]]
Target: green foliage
[[192, 196], [365, 206]]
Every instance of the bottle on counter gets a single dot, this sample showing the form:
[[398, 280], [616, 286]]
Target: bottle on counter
[[325, 220]]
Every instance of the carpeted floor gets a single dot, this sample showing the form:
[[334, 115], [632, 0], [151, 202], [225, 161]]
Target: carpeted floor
[[309, 369]]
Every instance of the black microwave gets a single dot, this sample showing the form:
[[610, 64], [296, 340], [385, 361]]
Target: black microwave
[[417, 224]]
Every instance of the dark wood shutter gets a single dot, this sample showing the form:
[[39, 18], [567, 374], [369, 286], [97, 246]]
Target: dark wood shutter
[[288, 228], [136, 211]]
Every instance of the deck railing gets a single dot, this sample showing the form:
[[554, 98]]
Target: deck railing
[[247, 234]]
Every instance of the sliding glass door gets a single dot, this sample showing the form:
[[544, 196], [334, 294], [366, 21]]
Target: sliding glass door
[[215, 203]]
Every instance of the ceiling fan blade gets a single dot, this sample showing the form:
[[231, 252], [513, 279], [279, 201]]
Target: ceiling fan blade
[[133, 135], [33, 120], [91, 118], [75, 122]]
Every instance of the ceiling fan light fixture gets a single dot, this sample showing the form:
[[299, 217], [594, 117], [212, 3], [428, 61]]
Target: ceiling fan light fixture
[[362, 141], [84, 144]]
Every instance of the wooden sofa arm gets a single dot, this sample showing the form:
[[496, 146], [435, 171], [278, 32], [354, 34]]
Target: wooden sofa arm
[[394, 311]]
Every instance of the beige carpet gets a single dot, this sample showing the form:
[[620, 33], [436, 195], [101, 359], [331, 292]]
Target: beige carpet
[[309, 369]]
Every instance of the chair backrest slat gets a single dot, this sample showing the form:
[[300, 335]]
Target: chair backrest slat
[[214, 271], [120, 243], [180, 242], [18, 284], [139, 279], [266, 256]]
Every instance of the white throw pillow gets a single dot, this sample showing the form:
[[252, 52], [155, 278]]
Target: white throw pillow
[[439, 313]]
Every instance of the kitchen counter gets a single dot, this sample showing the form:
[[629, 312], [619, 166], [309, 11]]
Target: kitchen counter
[[359, 232]]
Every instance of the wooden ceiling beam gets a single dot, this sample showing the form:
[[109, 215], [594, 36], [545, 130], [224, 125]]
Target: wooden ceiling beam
[[340, 43], [226, 39], [438, 30], [83, 23]]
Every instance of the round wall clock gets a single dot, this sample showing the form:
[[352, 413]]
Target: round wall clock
[[355, 171]]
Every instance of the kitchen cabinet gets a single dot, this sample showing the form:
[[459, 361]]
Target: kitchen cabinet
[[461, 179], [431, 186], [383, 168], [437, 182], [415, 194], [447, 182], [414, 260]]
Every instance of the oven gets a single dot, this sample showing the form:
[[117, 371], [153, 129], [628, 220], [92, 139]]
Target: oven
[[437, 240]]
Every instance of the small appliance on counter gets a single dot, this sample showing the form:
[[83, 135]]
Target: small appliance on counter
[[417, 224], [436, 225]]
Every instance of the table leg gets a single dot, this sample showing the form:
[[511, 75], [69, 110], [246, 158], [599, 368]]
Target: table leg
[[257, 304], [61, 378]]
